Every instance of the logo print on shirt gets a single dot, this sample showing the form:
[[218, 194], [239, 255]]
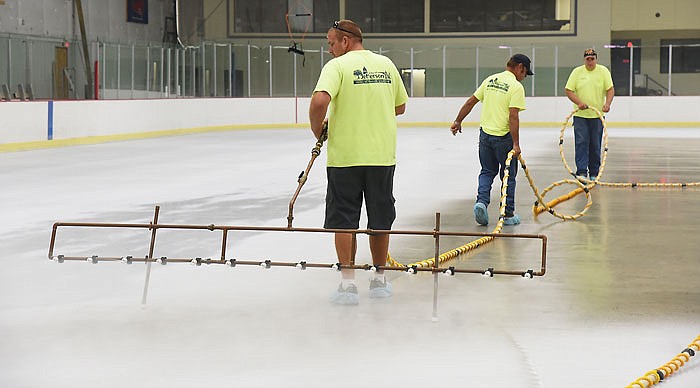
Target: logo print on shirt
[[498, 86], [371, 77]]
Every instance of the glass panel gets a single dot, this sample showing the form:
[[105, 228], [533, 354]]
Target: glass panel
[[259, 69], [189, 64], [239, 83], [155, 70], [141, 69], [260, 15], [545, 80], [387, 15], [220, 70], [457, 16], [4, 60], [685, 55], [110, 67], [18, 63], [309, 69], [325, 12], [499, 15], [283, 71], [41, 70], [429, 60], [460, 72], [210, 75]]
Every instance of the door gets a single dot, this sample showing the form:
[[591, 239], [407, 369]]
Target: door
[[620, 58], [61, 83]]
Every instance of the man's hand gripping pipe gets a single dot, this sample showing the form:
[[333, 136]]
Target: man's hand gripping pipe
[[315, 152]]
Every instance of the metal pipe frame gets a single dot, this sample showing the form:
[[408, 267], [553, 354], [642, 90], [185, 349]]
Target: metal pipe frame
[[225, 229]]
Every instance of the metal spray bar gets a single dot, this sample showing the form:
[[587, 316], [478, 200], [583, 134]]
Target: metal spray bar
[[268, 263]]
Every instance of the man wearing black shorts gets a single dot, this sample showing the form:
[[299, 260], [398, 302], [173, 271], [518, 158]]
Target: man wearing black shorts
[[365, 93]]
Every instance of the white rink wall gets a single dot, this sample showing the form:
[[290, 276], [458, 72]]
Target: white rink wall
[[24, 122]]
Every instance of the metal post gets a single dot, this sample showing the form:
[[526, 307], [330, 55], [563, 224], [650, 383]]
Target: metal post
[[9, 61], [271, 69], [670, 62], [133, 68], [162, 69], [532, 79], [119, 69], [193, 73], [168, 84], [177, 72], [435, 265], [213, 70], [444, 70], [411, 72], [249, 92], [295, 75], [631, 68], [477, 68], [28, 56], [204, 70], [86, 53], [148, 69], [97, 69], [231, 70], [104, 68], [556, 71], [150, 256]]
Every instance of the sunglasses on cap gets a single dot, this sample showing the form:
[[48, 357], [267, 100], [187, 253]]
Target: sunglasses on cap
[[336, 25]]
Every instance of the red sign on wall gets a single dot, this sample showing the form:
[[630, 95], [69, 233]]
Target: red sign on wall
[[137, 11]]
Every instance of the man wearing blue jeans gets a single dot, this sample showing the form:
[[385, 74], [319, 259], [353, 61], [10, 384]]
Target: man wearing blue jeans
[[588, 135], [503, 97], [589, 85]]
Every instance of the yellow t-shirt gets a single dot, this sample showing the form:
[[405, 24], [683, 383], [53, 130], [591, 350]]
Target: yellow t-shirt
[[498, 93], [590, 86], [365, 88]]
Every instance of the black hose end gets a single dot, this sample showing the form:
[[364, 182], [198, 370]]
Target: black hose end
[[661, 374]]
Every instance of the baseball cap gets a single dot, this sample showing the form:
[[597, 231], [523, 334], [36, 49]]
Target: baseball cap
[[590, 52], [522, 58]]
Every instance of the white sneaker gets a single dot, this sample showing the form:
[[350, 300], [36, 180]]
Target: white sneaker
[[346, 296], [379, 289]]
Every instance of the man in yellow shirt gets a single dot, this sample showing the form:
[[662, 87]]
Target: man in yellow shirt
[[503, 97], [589, 85], [365, 94]]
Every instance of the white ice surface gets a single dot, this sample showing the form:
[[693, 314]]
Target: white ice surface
[[82, 325]]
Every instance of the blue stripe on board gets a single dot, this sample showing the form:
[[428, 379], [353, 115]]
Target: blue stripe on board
[[49, 135]]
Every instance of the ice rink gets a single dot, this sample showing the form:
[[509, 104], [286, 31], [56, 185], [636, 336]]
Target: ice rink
[[620, 296]]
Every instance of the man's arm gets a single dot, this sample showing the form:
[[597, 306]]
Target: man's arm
[[317, 111], [609, 94], [514, 126], [574, 98], [399, 110], [463, 112]]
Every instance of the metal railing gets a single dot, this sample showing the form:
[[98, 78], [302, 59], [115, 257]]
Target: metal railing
[[211, 69]]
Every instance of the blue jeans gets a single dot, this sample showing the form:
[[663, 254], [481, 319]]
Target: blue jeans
[[493, 151], [588, 134]]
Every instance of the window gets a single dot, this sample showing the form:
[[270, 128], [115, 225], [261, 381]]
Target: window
[[404, 16], [499, 15], [387, 15], [268, 16], [685, 55]]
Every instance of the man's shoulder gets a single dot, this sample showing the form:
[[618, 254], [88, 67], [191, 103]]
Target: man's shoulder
[[603, 68], [378, 57]]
